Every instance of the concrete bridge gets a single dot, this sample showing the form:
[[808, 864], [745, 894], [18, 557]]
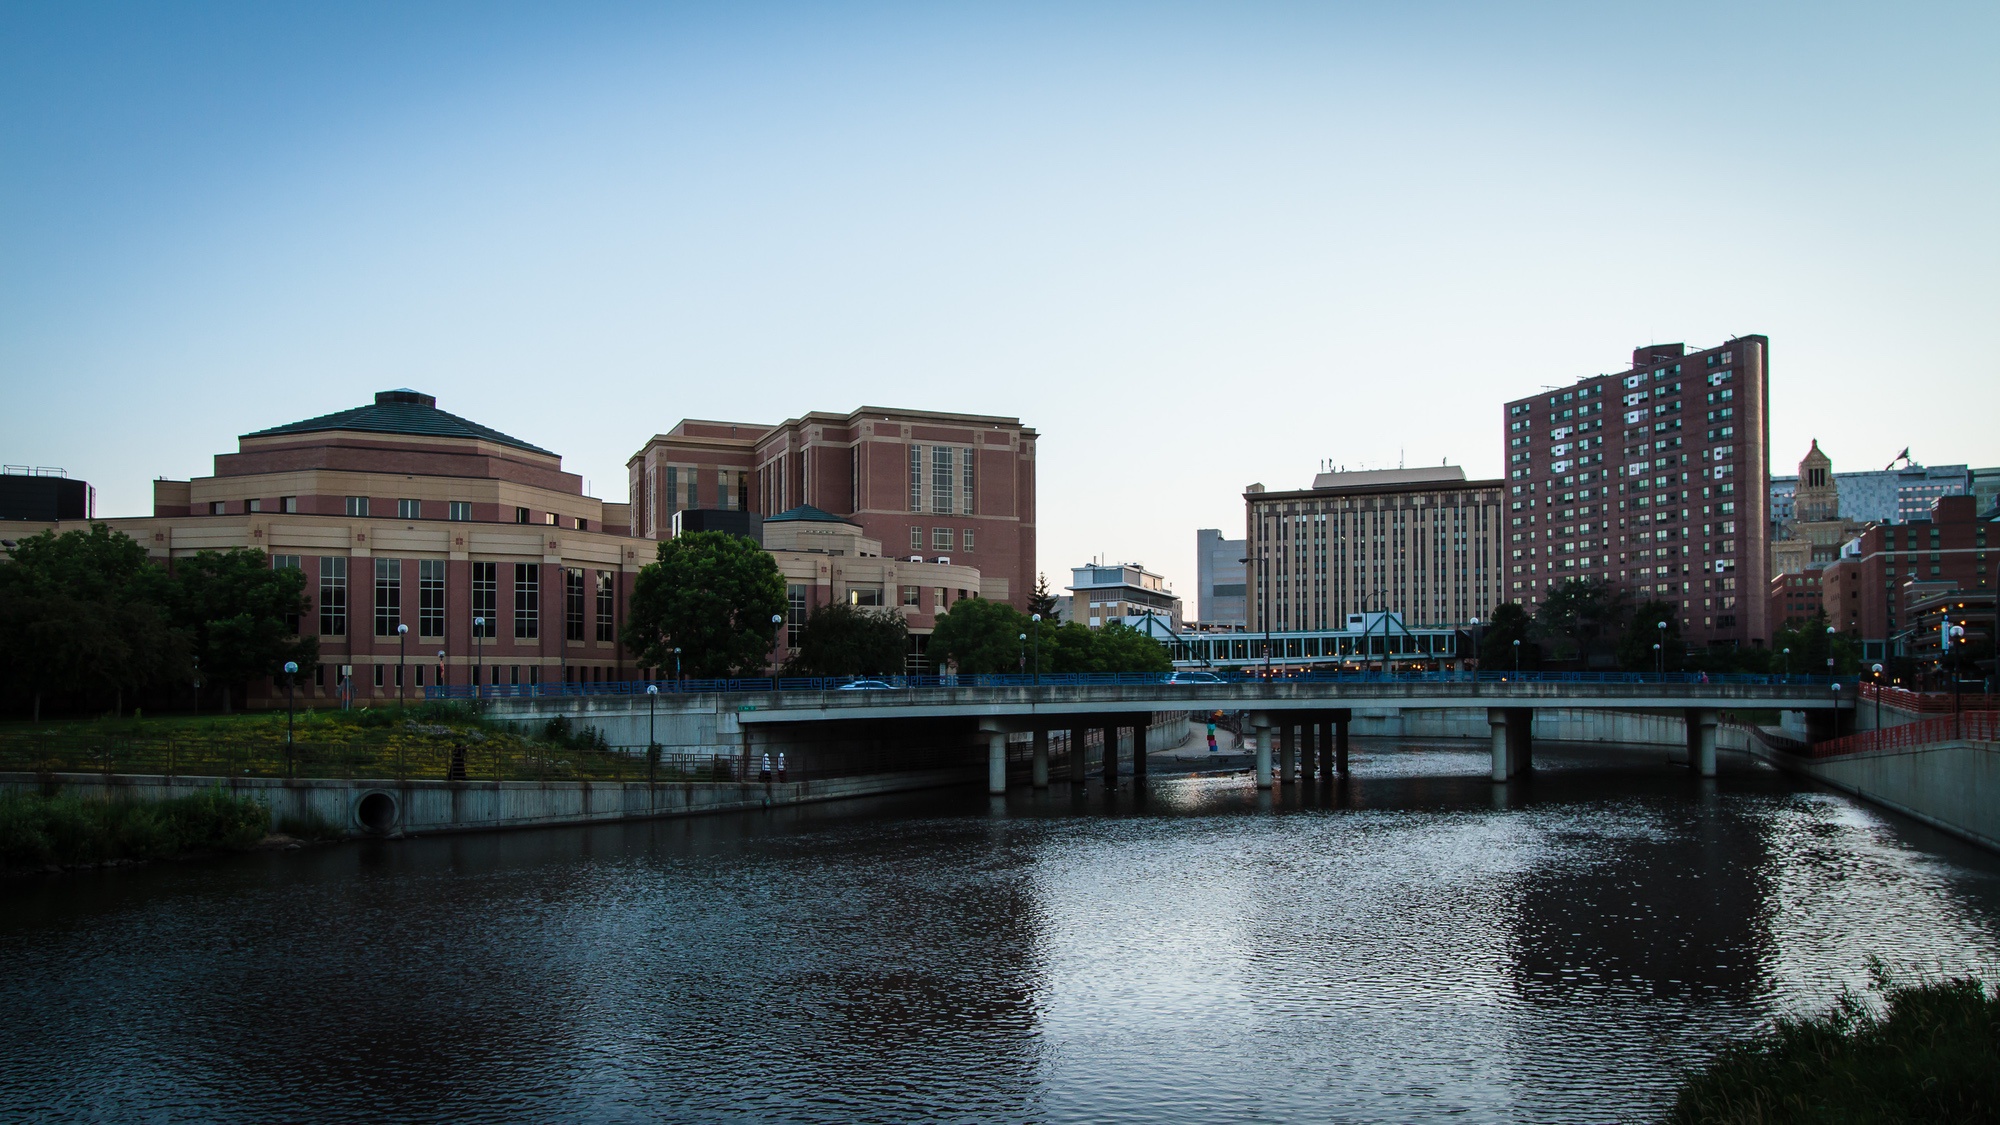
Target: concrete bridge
[[1301, 725]]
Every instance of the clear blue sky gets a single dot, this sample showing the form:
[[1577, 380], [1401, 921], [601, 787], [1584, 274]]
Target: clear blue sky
[[1195, 245]]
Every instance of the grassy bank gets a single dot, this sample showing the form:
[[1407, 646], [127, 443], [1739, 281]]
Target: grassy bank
[[38, 831], [1929, 1053]]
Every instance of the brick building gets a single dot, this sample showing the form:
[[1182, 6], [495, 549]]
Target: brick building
[[1656, 478], [1424, 543], [1869, 591], [401, 514]]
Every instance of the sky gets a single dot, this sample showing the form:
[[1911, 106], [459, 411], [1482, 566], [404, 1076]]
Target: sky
[[1194, 245]]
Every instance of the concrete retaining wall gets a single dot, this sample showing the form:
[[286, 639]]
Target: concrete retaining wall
[[387, 807], [1952, 785], [1551, 725]]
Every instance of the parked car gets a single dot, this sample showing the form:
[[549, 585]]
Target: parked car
[[865, 685], [1194, 678]]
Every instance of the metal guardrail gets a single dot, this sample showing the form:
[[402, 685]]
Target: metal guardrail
[[1095, 679], [1978, 726], [1929, 702], [456, 761]]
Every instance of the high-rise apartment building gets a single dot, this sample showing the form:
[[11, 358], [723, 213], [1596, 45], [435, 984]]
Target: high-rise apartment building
[[1656, 478], [1424, 543], [947, 488]]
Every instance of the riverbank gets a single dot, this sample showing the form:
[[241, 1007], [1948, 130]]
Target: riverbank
[[39, 832]]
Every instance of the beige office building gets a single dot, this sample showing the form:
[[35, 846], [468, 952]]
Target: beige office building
[[1424, 543]]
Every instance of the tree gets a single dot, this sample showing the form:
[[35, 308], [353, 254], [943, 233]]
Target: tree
[[1068, 646], [1811, 644], [712, 595], [1121, 648], [979, 636], [85, 610], [1509, 623], [1635, 648], [241, 616], [1585, 616], [1042, 601], [845, 640]]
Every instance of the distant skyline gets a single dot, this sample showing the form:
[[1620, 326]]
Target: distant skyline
[[1194, 247]]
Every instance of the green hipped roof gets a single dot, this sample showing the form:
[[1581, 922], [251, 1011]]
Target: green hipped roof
[[401, 412], [808, 512]]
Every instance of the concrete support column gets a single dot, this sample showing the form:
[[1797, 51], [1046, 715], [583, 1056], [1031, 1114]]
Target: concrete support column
[[1262, 725], [1701, 726], [996, 762], [1307, 742], [1139, 746], [1041, 758], [1340, 742], [1496, 725], [1326, 750], [1520, 739], [1288, 751], [1111, 754]]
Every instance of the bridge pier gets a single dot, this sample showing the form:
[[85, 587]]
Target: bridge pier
[[1309, 750], [1041, 772], [1111, 754], [996, 762], [1139, 748], [1261, 723], [1340, 721], [1512, 730], [1701, 726], [1288, 752]]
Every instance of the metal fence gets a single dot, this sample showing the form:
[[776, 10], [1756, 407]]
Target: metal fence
[[1091, 679], [1980, 726], [437, 761], [1930, 702]]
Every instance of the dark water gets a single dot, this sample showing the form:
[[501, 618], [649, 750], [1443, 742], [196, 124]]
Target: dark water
[[1414, 948]]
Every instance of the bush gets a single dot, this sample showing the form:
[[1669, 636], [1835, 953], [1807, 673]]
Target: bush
[[37, 831], [1931, 1054]]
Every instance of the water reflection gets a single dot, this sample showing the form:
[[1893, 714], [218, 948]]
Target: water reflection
[[1413, 943]]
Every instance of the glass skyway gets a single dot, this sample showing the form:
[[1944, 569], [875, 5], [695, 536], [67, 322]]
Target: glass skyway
[[1373, 640]]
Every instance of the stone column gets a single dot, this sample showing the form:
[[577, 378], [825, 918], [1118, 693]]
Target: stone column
[[1041, 758], [1111, 754], [1139, 746], [1496, 724], [1701, 726], [1262, 725], [996, 762]]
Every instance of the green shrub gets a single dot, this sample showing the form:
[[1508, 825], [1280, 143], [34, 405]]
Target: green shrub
[[36, 830], [1932, 1053], [309, 826]]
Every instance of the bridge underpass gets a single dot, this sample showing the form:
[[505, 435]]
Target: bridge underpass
[[1302, 728]]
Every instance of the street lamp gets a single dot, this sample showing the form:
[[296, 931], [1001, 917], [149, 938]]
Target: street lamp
[[478, 656], [291, 670], [1829, 650], [1660, 650], [677, 668], [652, 744], [1788, 664], [1024, 652], [1877, 669], [402, 645], [1037, 619], [1955, 637], [1517, 658], [1478, 632]]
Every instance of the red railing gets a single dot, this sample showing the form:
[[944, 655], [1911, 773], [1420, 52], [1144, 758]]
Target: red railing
[[1983, 726], [1929, 702]]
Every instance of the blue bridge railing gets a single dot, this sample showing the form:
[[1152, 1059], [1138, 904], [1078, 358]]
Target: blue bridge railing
[[1182, 680]]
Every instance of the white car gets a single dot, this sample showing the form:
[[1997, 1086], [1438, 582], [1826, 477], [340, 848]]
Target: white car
[[865, 685], [1194, 678]]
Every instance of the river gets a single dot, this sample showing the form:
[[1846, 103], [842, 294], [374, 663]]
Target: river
[[1419, 945]]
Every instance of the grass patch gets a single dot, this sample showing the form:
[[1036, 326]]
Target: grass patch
[[1930, 1052], [39, 831], [309, 826]]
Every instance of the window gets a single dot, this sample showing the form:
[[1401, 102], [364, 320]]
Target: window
[[215, 508], [460, 510], [582, 524], [254, 506], [527, 601], [572, 604], [357, 505], [913, 596], [965, 541], [288, 562], [916, 478], [970, 492], [916, 539], [430, 597], [485, 599], [520, 515], [673, 489], [942, 497], [388, 596], [795, 614], [333, 596], [606, 606], [288, 504], [722, 489], [864, 595], [940, 539], [409, 509]]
